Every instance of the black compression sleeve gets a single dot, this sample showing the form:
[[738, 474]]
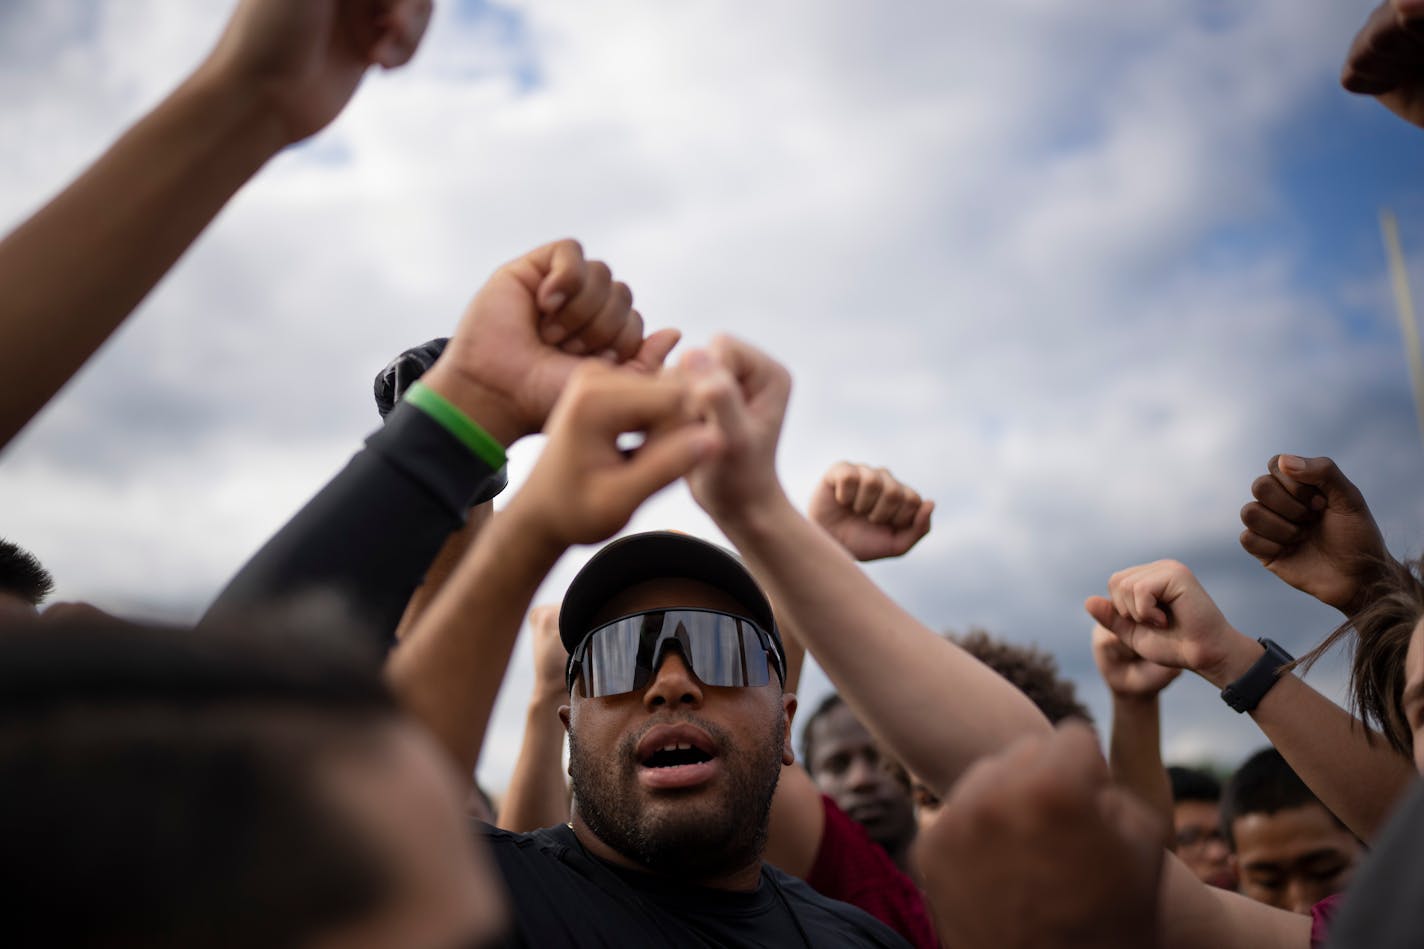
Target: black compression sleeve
[[368, 536]]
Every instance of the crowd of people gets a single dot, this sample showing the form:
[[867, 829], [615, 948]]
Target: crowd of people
[[296, 770]]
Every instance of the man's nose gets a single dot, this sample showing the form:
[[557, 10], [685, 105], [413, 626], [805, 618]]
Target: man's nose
[[673, 684], [864, 772]]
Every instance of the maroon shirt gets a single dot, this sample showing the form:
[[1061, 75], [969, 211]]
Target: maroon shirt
[[854, 869]]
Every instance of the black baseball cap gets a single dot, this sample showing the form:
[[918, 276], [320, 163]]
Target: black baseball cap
[[656, 555]]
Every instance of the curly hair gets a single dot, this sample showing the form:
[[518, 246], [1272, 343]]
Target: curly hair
[[1383, 629], [1031, 670], [22, 575]]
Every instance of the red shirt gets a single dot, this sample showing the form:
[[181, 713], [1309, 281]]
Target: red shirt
[[854, 869]]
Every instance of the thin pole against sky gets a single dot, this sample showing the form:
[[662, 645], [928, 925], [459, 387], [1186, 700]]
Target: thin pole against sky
[[1404, 301]]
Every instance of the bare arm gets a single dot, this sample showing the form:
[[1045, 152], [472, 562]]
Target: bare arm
[[444, 565], [538, 795], [841, 614], [1163, 614], [1135, 745], [872, 515], [79, 265]]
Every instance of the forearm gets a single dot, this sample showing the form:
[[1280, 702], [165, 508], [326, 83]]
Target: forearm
[[448, 672], [1135, 755], [893, 670], [1193, 915], [80, 265], [1358, 779], [537, 795], [370, 534], [794, 648]]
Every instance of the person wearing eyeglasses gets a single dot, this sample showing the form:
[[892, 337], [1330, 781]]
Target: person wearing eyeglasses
[[1196, 826]]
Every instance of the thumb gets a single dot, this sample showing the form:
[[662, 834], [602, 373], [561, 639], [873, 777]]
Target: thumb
[[1325, 475], [654, 351], [664, 457]]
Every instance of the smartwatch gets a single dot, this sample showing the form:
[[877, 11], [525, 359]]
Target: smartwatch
[[1246, 692]]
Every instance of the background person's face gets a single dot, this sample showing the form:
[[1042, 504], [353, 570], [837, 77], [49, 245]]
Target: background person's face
[[1200, 845], [1294, 858], [711, 818], [848, 767]]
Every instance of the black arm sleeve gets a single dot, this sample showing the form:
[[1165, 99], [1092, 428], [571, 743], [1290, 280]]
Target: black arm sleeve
[[368, 536]]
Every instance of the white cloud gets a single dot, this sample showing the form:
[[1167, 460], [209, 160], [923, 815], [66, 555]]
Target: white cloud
[[972, 231]]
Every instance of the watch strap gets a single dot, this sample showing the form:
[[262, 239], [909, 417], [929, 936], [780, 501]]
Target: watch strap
[[1246, 693]]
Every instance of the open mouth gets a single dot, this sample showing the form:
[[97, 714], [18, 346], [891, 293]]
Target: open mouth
[[676, 756]]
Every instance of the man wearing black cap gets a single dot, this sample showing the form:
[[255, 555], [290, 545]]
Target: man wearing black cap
[[678, 730], [678, 722]]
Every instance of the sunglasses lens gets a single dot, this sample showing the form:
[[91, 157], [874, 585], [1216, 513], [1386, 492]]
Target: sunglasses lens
[[722, 650]]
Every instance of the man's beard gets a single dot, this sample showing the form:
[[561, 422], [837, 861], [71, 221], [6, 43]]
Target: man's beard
[[702, 840]]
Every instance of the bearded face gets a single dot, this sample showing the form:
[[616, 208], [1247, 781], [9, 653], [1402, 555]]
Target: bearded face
[[702, 830]]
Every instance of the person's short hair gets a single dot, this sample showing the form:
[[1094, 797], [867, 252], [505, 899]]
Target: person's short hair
[[164, 788], [1264, 784], [1031, 670], [1193, 784], [808, 741], [1382, 631], [22, 575]]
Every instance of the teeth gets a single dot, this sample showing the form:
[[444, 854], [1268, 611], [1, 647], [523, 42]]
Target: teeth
[[678, 746]]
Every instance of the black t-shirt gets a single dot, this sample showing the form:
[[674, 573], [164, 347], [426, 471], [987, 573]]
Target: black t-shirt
[[561, 895]]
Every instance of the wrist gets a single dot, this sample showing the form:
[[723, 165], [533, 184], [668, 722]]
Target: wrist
[[1368, 577], [1239, 655], [253, 124], [1137, 702], [757, 517], [483, 406]]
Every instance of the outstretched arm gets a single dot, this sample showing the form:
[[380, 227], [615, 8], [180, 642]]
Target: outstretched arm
[[369, 535], [846, 618], [884, 661], [873, 516], [537, 795], [1310, 526], [1162, 613], [72, 272], [1135, 746]]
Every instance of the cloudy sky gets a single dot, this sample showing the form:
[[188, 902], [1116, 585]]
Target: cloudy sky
[[1074, 270]]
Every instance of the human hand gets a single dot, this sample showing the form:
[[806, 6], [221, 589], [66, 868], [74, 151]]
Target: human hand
[[1161, 613], [584, 489], [1036, 847], [305, 58], [869, 512], [1310, 526], [1386, 59], [742, 393], [1126, 673], [550, 656], [510, 356]]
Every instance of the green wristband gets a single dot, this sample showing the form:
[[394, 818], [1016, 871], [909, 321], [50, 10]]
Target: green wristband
[[480, 442]]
